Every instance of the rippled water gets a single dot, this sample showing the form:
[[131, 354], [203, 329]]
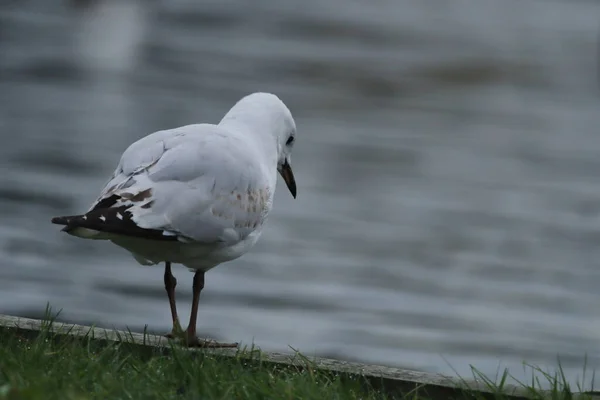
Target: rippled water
[[447, 164]]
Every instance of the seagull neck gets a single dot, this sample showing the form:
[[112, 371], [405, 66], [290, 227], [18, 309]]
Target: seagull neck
[[259, 139]]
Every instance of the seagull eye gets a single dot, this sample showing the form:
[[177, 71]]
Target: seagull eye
[[289, 141]]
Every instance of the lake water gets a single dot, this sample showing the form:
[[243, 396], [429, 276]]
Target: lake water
[[447, 162]]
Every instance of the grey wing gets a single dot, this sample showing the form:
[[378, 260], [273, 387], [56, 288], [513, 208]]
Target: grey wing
[[195, 187], [135, 159], [143, 153]]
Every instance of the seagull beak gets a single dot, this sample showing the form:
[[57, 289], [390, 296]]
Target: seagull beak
[[288, 176]]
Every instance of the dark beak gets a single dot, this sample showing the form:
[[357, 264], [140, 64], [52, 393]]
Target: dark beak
[[288, 177]]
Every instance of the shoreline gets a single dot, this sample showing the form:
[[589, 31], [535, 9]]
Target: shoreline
[[389, 380]]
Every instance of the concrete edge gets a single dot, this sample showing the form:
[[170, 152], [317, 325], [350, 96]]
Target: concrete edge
[[390, 379]]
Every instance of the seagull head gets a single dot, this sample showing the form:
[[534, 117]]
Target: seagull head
[[265, 114]]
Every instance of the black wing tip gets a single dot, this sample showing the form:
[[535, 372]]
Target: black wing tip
[[61, 220], [111, 220]]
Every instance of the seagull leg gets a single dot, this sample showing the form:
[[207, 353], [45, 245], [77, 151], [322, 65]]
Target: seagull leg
[[192, 339], [170, 283]]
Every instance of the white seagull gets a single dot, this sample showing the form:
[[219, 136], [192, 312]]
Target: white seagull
[[197, 195]]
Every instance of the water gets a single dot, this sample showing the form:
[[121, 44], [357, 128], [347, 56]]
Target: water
[[447, 157]]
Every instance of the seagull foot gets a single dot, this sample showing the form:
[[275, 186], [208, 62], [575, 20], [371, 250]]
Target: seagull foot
[[176, 334], [208, 344], [173, 335]]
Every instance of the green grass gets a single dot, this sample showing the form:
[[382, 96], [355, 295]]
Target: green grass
[[62, 367], [47, 366]]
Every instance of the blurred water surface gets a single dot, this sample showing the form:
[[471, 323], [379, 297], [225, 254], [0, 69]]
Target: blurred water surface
[[447, 164]]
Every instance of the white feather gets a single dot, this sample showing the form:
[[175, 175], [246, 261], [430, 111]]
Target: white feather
[[211, 186]]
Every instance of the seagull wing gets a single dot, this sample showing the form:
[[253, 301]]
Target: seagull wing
[[194, 184]]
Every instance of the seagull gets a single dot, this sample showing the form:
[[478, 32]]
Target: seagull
[[197, 195]]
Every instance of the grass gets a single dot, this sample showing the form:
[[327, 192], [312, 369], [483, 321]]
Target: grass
[[47, 366]]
